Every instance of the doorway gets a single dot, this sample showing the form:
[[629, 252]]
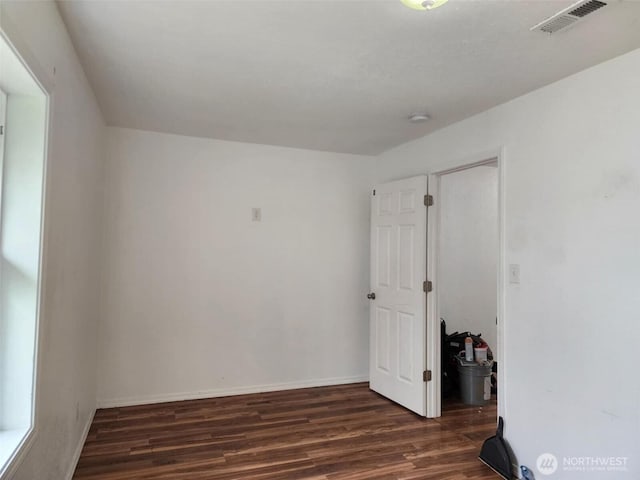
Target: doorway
[[464, 248], [405, 304]]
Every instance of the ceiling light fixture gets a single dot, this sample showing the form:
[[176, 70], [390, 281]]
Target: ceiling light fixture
[[424, 4], [419, 117]]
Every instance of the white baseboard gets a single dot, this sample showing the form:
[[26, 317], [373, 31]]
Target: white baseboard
[[78, 451], [226, 392]]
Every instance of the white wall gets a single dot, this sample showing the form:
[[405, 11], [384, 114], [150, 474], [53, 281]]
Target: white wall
[[200, 300], [468, 251], [70, 308], [572, 196]]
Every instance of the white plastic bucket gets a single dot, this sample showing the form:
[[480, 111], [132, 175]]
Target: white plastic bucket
[[481, 354]]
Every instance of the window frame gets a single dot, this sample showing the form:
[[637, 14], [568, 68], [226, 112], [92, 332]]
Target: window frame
[[12, 36]]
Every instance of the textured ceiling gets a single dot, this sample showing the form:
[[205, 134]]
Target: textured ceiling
[[328, 75]]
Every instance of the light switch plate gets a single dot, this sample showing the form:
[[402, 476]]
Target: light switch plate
[[256, 214], [514, 273]]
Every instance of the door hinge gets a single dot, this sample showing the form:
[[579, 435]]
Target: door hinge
[[428, 200], [427, 286], [426, 376], [1, 129], [374, 193]]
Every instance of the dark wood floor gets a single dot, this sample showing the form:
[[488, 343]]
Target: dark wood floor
[[342, 432]]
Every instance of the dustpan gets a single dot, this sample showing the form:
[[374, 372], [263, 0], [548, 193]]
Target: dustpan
[[495, 454]]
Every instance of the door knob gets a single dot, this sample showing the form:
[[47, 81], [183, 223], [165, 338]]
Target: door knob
[[371, 296]]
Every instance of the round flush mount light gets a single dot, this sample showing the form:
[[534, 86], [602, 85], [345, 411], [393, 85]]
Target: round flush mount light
[[424, 4], [419, 117]]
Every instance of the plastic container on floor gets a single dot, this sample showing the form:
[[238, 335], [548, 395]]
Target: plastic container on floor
[[474, 380]]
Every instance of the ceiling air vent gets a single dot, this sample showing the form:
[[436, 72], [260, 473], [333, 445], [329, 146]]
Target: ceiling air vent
[[569, 16]]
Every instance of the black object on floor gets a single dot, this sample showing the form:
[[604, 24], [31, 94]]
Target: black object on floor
[[495, 454]]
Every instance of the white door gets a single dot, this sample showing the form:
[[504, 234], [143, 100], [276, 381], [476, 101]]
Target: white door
[[398, 301]]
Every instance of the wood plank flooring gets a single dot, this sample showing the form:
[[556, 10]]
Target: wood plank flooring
[[342, 432]]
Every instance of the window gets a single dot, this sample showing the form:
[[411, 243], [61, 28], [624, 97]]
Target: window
[[23, 110]]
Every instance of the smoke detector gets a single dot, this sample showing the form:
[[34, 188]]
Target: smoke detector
[[419, 117], [569, 16]]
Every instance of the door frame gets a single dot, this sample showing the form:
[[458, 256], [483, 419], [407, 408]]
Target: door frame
[[434, 387]]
